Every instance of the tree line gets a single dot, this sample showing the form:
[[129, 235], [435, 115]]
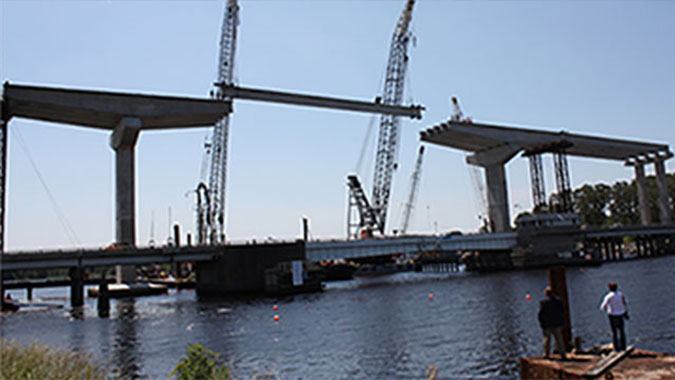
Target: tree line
[[602, 205]]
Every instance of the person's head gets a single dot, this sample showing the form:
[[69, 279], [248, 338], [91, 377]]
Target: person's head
[[549, 292], [613, 286]]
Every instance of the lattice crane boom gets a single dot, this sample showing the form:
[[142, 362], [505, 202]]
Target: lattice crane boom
[[388, 136], [414, 186], [215, 227]]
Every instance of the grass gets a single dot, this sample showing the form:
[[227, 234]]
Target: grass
[[37, 362]]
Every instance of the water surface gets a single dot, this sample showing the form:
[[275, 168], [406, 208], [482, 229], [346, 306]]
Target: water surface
[[476, 325]]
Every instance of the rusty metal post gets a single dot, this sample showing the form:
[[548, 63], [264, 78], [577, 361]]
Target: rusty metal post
[[558, 282]]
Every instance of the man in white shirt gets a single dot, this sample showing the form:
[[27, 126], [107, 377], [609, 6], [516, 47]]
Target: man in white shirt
[[615, 305]]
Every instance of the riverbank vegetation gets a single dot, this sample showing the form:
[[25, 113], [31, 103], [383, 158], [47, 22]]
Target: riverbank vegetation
[[42, 362], [200, 363]]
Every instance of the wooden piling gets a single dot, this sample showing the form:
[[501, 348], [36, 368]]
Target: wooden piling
[[76, 287], [103, 299], [558, 282]]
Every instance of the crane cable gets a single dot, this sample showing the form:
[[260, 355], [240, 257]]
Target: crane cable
[[368, 137], [70, 232]]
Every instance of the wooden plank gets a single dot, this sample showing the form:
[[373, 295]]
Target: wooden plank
[[607, 362]]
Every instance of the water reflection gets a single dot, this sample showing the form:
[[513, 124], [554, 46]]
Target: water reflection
[[125, 350], [504, 341], [382, 336]]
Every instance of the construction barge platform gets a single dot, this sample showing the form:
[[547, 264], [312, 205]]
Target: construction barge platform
[[629, 364]]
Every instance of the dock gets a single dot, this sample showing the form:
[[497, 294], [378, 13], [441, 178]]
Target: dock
[[630, 364]]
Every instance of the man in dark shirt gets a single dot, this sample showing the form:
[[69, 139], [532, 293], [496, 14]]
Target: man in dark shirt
[[551, 319]]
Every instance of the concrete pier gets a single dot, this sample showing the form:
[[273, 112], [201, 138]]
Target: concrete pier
[[664, 205], [493, 162], [643, 202], [123, 141]]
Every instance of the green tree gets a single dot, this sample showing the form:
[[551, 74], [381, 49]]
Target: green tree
[[592, 202], [602, 205], [623, 207], [200, 364]]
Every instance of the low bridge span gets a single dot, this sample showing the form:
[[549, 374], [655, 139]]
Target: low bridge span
[[350, 249], [102, 257]]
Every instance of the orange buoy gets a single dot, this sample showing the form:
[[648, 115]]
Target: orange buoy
[[276, 318], [431, 296], [528, 296]]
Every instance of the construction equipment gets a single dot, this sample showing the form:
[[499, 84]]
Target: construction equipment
[[457, 114], [373, 216], [211, 215], [414, 186]]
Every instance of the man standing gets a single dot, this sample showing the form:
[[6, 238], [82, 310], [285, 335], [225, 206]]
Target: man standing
[[551, 319], [615, 305]]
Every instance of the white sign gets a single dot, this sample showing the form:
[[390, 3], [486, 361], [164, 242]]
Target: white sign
[[297, 272]]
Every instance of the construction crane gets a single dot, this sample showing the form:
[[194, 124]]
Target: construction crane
[[211, 199], [414, 186], [373, 216]]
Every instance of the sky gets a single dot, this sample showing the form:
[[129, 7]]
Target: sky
[[600, 68]]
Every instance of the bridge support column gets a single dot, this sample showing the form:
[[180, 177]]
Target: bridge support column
[[497, 197], [664, 204], [4, 123], [76, 287], [643, 201], [123, 141], [493, 161]]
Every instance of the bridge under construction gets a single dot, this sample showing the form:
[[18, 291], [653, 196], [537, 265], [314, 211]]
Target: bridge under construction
[[551, 235]]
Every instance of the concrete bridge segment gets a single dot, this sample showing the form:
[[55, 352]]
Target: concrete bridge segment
[[493, 146], [125, 115]]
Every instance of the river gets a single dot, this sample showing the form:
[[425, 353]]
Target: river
[[386, 327]]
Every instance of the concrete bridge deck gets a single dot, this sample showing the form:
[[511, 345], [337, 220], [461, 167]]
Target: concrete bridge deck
[[314, 250], [102, 257], [350, 249]]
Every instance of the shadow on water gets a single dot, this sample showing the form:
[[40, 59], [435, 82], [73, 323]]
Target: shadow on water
[[125, 348]]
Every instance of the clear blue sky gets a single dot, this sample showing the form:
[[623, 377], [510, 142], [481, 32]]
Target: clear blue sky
[[602, 68]]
